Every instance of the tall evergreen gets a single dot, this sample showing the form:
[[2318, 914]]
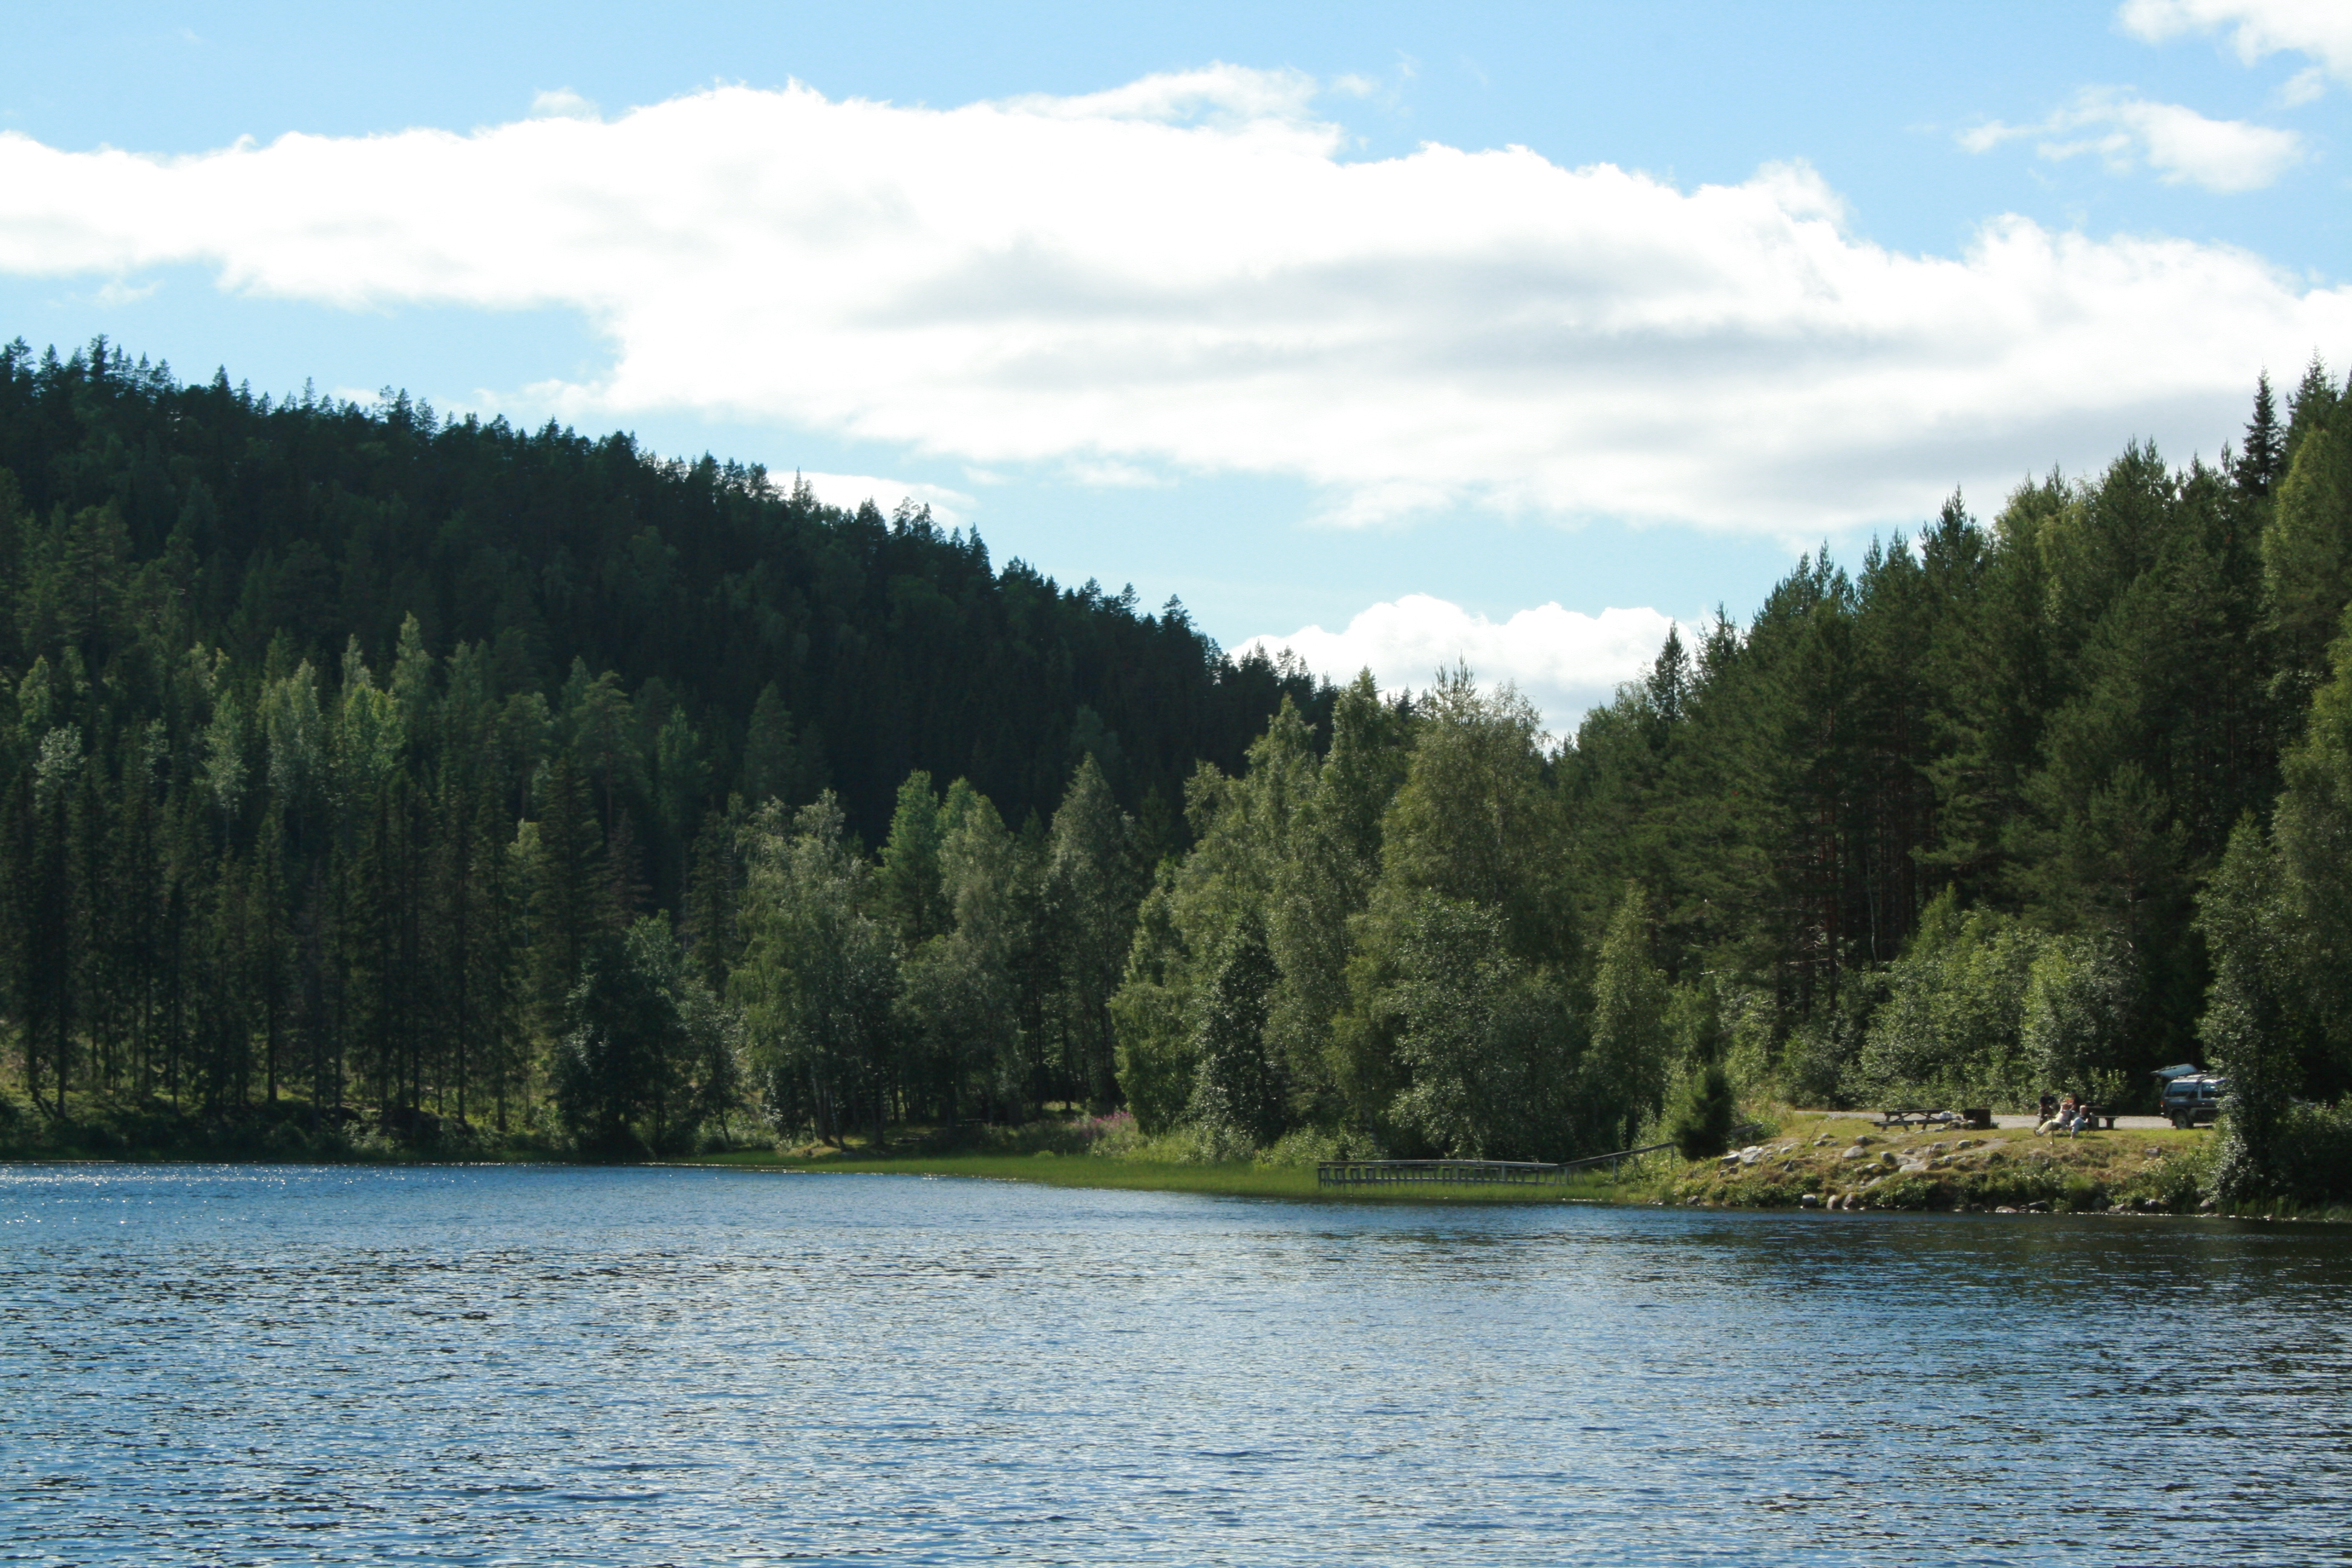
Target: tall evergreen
[[2263, 457]]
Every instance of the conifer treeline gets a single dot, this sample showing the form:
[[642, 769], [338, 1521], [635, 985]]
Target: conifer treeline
[[440, 766], [337, 747], [1943, 831]]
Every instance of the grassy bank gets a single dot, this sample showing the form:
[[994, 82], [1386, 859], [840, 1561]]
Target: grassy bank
[[1807, 1161], [1842, 1162], [1229, 1178], [1810, 1161]]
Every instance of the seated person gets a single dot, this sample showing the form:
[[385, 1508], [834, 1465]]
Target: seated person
[[2060, 1120]]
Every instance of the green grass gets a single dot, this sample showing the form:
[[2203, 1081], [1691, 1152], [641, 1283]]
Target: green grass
[[120, 1129], [1224, 1179], [2005, 1167]]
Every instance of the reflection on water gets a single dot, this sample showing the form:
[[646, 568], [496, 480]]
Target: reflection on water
[[209, 1364]]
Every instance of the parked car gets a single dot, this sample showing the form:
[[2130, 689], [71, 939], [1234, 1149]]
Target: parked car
[[2193, 1099]]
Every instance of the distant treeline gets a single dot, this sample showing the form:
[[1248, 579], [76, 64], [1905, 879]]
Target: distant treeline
[[2039, 806], [337, 745], [475, 775]]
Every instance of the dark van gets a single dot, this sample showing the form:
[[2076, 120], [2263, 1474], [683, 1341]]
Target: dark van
[[2193, 1099]]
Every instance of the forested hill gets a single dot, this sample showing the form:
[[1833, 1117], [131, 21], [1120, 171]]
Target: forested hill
[[2037, 804], [763, 643], [360, 764]]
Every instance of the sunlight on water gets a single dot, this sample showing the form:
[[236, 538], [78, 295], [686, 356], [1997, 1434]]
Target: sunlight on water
[[207, 1364]]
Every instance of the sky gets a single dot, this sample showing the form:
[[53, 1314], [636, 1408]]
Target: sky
[[1394, 334]]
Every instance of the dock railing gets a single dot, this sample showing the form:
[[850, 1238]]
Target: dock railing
[[1468, 1173]]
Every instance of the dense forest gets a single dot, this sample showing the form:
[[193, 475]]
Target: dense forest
[[371, 769], [341, 746], [2042, 805]]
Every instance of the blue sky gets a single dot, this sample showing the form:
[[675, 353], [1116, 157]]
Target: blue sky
[[1245, 304]]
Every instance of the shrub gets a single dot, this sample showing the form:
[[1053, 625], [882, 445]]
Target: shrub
[[2313, 1151], [1699, 1124]]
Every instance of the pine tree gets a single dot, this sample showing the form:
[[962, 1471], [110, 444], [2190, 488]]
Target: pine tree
[[2312, 405], [909, 882], [1094, 885], [2306, 552], [571, 896], [2263, 458]]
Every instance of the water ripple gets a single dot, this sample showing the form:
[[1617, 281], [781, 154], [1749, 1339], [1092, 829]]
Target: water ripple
[[204, 1365]]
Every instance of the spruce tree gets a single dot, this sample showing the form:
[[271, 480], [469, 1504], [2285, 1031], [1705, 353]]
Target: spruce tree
[[909, 880], [2263, 458], [1093, 884]]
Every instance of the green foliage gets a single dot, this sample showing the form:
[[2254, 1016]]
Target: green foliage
[[344, 754], [962, 992], [1630, 1050], [339, 747], [2308, 546], [1093, 882], [1699, 1123], [1473, 821], [1155, 1060], [1950, 1029], [2312, 839], [1984, 1009], [2077, 1016], [2312, 1154], [2277, 916], [2248, 1023], [1486, 1044], [1236, 1087], [908, 883], [648, 1055], [1460, 1032], [819, 980]]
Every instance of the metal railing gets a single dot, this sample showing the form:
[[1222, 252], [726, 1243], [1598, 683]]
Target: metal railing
[[1465, 1172], [1480, 1173]]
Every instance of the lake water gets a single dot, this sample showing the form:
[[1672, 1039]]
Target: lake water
[[224, 1365]]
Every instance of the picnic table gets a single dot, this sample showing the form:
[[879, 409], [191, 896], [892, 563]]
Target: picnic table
[[1934, 1117]]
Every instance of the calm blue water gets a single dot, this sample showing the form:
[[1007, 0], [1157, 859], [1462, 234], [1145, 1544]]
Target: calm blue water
[[223, 1365]]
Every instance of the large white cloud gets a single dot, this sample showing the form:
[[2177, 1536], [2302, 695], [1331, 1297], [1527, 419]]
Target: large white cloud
[[1186, 274], [1563, 660], [2257, 29]]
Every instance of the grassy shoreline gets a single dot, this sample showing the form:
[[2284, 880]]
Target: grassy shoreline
[[1810, 1160], [1231, 1178], [1841, 1162]]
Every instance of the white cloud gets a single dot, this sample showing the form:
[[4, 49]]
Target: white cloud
[[2308, 85], [1227, 95], [1185, 275], [562, 103], [1563, 660], [114, 293], [849, 491], [2183, 146], [2321, 29], [1113, 475]]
